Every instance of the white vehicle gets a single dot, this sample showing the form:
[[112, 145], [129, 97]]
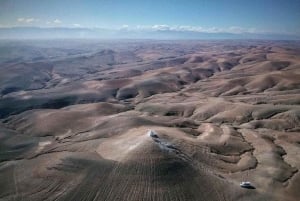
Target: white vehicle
[[246, 184]]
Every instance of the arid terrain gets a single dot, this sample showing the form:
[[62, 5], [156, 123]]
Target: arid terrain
[[76, 115]]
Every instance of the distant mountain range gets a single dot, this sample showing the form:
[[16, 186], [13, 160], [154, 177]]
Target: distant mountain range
[[59, 32]]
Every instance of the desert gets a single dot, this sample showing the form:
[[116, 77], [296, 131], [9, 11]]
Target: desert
[[76, 117]]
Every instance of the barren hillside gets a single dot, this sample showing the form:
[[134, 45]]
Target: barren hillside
[[76, 116]]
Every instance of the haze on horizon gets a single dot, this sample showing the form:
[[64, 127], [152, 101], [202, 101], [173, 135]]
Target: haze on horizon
[[164, 19]]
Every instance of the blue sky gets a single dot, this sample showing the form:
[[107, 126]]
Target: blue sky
[[257, 16]]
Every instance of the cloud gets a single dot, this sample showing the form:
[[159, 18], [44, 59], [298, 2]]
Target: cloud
[[20, 19], [161, 27], [125, 27], [27, 20], [188, 28], [185, 28], [238, 30], [76, 25], [57, 21]]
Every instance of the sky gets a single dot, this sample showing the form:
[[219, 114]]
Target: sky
[[211, 16]]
